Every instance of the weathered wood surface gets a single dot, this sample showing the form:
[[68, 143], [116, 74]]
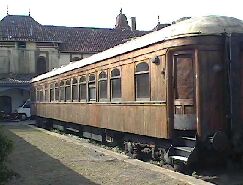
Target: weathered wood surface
[[142, 119]]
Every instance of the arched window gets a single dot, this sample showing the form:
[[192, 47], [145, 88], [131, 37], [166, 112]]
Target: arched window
[[75, 89], [62, 91], [82, 88], [52, 88], [92, 88], [42, 65], [102, 85], [68, 90], [115, 84], [56, 92], [142, 81]]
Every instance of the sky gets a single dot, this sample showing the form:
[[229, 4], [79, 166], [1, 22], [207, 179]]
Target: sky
[[102, 13]]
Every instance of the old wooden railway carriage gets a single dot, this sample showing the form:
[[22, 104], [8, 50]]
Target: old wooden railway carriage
[[173, 93]]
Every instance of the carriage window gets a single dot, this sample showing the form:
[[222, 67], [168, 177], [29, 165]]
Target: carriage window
[[75, 89], [142, 81], [37, 94], [115, 84], [52, 92], [33, 94], [102, 85], [82, 88], [68, 90], [92, 88], [46, 94], [41, 95], [56, 92], [62, 91]]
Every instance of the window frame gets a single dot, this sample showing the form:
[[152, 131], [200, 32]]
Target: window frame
[[82, 83], [140, 73], [52, 92], [62, 94], [113, 78], [92, 84], [74, 79], [46, 93], [68, 86], [57, 92], [100, 80]]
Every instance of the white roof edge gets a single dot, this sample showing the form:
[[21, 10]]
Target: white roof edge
[[195, 26]]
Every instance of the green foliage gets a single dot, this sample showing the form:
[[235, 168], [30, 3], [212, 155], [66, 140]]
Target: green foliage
[[6, 146]]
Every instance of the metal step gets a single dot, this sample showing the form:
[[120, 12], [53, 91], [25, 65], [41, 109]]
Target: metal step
[[179, 158], [183, 151], [185, 141]]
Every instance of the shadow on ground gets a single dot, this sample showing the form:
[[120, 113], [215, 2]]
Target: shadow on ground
[[35, 167]]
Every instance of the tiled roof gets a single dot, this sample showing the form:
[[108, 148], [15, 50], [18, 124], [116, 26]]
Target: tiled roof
[[71, 39]]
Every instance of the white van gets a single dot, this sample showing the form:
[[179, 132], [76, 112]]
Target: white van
[[24, 110]]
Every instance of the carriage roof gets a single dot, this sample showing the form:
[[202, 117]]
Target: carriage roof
[[206, 25]]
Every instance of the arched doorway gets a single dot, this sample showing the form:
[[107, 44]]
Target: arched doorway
[[6, 104], [41, 66]]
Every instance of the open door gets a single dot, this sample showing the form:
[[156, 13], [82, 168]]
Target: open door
[[184, 91]]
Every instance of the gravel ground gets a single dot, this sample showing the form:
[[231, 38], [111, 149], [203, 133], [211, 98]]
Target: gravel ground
[[44, 158]]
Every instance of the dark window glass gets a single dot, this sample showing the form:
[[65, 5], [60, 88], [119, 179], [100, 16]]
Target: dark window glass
[[116, 88], [52, 92], [62, 91], [67, 93], [82, 88], [142, 67], [115, 73], [92, 88], [92, 92], [33, 95], [91, 77], [103, 89], [41, 95], [75, 89], [142, 81], [102, 85], [46, 95], [56, 92], [115, 84], [82, 91]]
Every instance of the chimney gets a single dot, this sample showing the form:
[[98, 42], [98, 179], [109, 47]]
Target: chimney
[[133, 22]]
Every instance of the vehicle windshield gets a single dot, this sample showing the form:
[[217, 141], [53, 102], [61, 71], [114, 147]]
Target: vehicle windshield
[[27, 102]]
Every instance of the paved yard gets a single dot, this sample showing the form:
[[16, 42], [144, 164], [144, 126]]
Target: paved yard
[[44, 158]]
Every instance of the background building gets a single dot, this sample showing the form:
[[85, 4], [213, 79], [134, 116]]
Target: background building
[[28, 48]]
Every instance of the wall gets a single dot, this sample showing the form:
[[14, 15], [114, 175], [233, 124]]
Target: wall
[[18, 96]]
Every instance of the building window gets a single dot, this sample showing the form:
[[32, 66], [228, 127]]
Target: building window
[[102, 86], [115, 84], [68, 90], [76, 59], [41, 65], [92, 88], [82, 88], [62, 91], [21, 44], [52, 88], [142, 81], [75, 89], [56, 92]]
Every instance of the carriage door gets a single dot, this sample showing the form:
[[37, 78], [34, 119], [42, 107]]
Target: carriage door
[[184, 91]]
